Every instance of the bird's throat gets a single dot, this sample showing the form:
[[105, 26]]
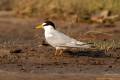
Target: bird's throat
[[48, 34]]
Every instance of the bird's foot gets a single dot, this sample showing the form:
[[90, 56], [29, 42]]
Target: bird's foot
[[58, 53]]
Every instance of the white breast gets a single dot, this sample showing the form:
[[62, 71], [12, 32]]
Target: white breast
[[48, 34], [49, 38], [48, 30]]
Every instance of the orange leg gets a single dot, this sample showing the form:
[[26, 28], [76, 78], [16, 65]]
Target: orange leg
[[56, 52], [61, 52]]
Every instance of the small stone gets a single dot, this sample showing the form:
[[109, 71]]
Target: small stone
[[110, 66], [16, 51]]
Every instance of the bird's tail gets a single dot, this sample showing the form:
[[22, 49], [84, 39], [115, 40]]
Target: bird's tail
[[83, 45]]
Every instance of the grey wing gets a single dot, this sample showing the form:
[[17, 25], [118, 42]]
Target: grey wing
[[60, 39]]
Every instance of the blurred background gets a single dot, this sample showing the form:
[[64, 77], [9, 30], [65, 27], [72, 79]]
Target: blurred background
[[58, 8]]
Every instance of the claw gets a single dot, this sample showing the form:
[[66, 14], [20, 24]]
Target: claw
[[58, 52]]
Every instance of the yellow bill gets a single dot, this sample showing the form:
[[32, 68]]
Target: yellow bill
[[39, 26]]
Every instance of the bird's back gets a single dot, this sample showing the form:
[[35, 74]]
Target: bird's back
[[58, 39]]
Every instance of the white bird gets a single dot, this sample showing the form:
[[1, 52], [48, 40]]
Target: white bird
[[59, 40]]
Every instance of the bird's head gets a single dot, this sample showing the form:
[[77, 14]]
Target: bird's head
[[45, 25]]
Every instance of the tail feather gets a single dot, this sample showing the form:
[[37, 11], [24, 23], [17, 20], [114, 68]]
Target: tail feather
[[84, 45]]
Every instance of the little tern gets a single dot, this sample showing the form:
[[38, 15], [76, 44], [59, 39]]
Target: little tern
[[59, 40]]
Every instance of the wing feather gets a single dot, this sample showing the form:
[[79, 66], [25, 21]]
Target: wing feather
[[60, 39]]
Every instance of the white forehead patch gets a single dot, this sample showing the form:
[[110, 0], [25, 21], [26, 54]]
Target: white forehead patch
[[43, 24]]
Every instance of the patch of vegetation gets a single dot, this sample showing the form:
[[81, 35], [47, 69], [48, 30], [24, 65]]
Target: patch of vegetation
[[58, 8], [110, 47]]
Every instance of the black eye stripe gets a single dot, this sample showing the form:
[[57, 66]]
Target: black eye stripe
[[49, 23]]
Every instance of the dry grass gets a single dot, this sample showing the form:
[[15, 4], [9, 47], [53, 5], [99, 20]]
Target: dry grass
[[58, 8]]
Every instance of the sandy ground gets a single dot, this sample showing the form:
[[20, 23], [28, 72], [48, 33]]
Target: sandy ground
[[25, 56]]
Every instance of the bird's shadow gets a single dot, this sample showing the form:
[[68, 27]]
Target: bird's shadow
[[98, 54], [89, 53]]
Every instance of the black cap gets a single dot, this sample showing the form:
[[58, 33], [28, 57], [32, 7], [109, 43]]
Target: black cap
[[49, 23]]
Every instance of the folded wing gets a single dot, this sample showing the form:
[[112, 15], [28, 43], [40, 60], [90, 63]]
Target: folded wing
[[60, 39]]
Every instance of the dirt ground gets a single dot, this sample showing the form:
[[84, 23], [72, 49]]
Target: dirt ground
[[24, 55]]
